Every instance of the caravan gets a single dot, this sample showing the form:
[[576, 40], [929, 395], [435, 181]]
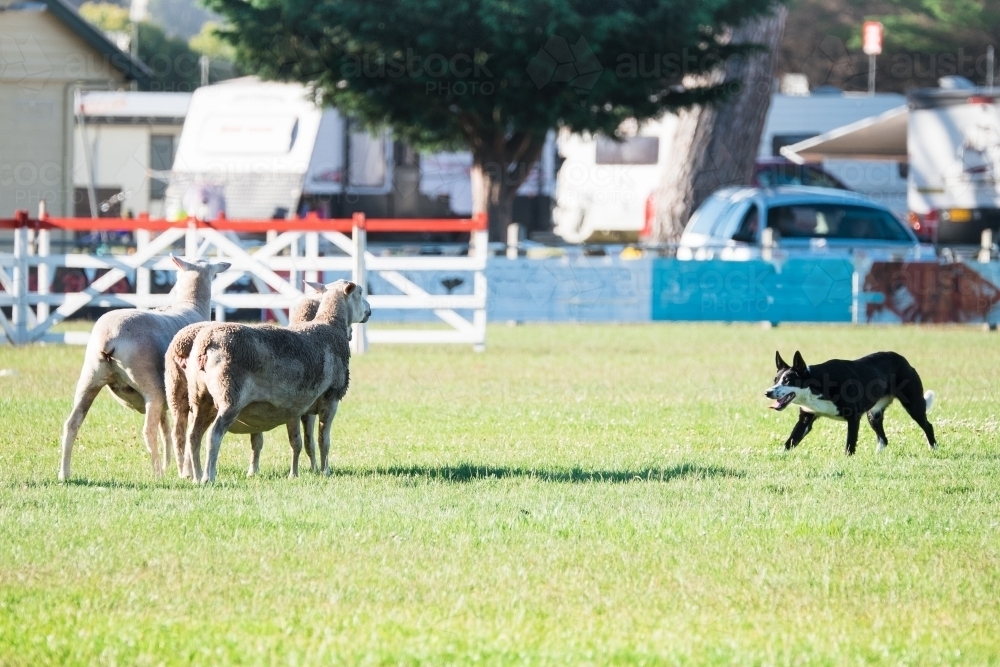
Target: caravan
[[947, 141], [255, 149]]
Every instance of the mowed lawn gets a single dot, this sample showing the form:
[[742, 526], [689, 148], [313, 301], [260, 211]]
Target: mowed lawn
[[574, 495]]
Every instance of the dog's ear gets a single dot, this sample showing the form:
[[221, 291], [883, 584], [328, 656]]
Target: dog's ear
[[798, 363], [779, 362]]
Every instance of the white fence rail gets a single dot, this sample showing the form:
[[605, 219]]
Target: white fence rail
[[277, 269]]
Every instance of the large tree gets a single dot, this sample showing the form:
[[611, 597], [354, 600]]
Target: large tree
[[493, 76], [715, 145]]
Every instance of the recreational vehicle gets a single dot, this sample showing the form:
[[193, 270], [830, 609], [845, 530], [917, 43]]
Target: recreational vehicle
[[255, 149], [947, 141]]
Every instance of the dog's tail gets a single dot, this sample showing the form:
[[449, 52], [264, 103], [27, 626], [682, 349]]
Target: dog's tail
[[929, 399]]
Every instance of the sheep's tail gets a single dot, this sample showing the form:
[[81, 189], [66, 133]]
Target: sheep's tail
[[929, 399]]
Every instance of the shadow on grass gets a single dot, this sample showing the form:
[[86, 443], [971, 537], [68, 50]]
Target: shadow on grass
[[458, 474], [470, 473]]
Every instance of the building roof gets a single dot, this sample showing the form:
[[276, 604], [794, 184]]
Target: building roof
[[118, 107], [132, 68]]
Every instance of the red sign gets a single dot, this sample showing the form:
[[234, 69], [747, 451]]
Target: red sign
[[871, 38]]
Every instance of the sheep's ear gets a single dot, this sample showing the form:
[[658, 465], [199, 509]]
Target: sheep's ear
[[349, 287], [317, 287], [219, 267], [798, 363], [779, 362], [181, 264]]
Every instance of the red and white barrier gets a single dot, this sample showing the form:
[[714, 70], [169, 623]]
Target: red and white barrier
[[291, 249]]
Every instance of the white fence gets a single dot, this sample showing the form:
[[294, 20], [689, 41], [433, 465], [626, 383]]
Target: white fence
[[290, 254]]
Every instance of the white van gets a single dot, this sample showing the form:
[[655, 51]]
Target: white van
[[604, 186]]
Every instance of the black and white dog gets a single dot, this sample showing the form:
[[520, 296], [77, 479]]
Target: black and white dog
[[846, 390]]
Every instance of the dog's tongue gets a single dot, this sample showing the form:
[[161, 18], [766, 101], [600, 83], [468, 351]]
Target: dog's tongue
[[775, 406]]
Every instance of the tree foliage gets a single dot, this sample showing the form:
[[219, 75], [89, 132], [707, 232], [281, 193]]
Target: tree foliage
[[493, 75], [174, 63], [923, 40]]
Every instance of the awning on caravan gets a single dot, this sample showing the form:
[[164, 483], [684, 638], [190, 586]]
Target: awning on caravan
[[881, 137]]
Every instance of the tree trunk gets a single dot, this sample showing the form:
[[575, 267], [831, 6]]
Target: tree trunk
[[498, 169], [716, 145]]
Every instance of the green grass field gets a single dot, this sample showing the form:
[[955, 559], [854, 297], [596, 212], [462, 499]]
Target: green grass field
[[574, 495]]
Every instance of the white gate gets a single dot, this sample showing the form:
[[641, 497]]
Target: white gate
[[277, 268]]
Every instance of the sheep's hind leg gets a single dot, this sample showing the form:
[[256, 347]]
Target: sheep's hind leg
[[180, 440], [227, 415], [86, 392], [154, 413], [325, 423], [256, 444], [168, 442], [295, 442], [201, 417], [309, 440]]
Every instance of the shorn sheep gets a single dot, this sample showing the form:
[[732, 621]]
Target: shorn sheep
[[125, 353], [252, 379], [175, 364]]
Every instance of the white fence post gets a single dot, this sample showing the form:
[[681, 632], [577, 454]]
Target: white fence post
[[359, 341], [20, 278], [44, 270], [142, 274], [312, 253], [480, 249], [191, 241]]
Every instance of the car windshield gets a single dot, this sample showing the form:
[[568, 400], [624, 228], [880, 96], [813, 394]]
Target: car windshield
[[708, 214], [835, 221]]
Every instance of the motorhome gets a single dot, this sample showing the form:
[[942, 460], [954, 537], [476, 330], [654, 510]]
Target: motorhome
[[947, 141], [256, 149]]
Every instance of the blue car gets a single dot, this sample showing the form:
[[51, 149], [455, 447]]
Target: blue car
[[802, 220]]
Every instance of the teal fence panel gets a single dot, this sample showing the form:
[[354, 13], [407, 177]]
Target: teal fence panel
[[794, 290]]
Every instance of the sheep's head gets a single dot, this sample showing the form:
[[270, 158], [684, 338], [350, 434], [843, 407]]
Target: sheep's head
[[201, 266], [358, 310], [346, 298]]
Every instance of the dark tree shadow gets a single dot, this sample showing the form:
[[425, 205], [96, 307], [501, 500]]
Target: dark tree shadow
[[457, 474], [468, 472]]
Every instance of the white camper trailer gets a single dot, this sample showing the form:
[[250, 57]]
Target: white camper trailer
[[954, 163], [262, 146], [948, 139], [605, 186], [255, 149]]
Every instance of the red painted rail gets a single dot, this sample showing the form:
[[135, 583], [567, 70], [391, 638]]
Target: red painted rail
[[309, 223]]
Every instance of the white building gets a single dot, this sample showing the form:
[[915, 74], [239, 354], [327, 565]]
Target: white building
[[124, 147]]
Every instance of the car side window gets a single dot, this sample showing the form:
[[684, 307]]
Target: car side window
[[749, 226], [835, 221]]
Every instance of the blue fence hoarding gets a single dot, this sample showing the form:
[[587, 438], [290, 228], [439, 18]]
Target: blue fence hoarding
[[794, 290]]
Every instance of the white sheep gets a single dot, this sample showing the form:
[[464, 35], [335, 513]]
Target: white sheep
[[254, 378], [125, 353], [177, 390]]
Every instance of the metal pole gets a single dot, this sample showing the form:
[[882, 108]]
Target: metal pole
[[871, 74]]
